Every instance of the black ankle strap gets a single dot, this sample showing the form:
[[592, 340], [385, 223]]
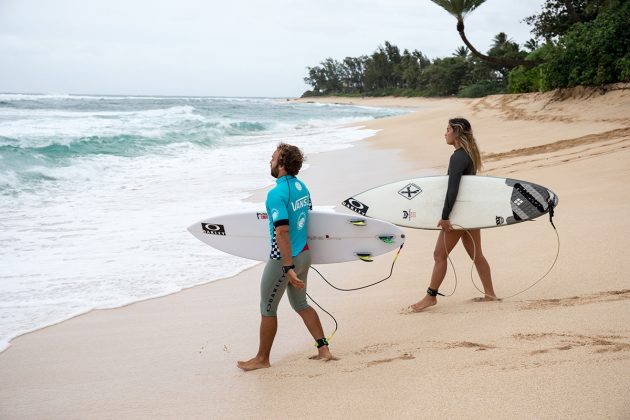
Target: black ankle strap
[[432, 292], [322, 342]]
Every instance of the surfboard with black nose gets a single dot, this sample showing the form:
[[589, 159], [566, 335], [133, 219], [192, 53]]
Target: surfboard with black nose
[[332, 237], [482, 202]]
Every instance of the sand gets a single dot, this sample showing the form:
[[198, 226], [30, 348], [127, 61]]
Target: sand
[[559, 350]]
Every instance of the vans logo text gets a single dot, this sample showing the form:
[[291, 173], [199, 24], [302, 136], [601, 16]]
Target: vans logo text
[[302, 202]]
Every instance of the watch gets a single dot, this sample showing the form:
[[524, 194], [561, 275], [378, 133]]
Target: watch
[[286, 268]]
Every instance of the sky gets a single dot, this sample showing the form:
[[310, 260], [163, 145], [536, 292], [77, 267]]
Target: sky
[[245, 48]]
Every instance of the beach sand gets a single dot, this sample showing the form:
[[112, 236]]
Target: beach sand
[[559, 350]]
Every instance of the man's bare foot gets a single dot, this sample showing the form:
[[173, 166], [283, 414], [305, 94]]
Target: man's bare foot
[[253, 364], [323, 353], [423, 304]]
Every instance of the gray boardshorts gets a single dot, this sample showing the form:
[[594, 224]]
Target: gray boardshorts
[[274, 283]]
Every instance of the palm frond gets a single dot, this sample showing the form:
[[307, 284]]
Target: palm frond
[[459, 8]]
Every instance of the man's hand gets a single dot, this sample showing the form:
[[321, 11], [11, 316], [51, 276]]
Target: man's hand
[[294, 280], [284, 245]]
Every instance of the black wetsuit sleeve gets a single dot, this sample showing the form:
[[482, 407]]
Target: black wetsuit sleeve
[[457, 166]]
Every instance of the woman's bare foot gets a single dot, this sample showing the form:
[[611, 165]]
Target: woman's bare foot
[[253, 364], [423, 303], [323, 353]]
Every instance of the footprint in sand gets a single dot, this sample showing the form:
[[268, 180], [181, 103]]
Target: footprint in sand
[[610, 296], [404, 356], [470, 345], [568, 341]]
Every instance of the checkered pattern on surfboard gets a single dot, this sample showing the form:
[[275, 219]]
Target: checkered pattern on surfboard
[[528, 201]]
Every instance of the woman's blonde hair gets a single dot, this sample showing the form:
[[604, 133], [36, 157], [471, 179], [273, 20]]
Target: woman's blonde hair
[[464, 134]]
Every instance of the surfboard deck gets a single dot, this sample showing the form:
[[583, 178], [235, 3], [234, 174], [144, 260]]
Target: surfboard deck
[[482, 202], [332, 237]]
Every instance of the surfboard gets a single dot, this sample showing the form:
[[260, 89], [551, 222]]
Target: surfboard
[[332, 237], [482, 202]]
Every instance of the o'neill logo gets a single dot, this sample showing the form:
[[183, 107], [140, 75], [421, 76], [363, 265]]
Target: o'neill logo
[[212, 229], [356, 206], [409, 191]]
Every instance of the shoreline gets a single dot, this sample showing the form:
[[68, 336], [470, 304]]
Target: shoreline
[[131, 300], [415, 103], [113, 308], [569, 332]]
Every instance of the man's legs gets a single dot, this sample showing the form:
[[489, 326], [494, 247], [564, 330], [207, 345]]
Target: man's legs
[[268, 328], [297, 298], [272, 287], [314, 326]]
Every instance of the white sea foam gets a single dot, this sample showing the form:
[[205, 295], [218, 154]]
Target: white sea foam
[[103, 230], [74, 97], [40, 128]]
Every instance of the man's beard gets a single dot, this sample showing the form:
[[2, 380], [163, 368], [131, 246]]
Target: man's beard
[[275, 172]]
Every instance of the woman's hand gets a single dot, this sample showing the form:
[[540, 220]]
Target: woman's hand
[[445, 225]]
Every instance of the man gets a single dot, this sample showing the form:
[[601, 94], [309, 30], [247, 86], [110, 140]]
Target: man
[[289, 260]]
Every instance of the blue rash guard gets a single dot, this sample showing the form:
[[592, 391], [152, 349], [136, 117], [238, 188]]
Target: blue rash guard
[[288, 204]]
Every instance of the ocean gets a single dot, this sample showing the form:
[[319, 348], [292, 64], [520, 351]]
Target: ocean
[[96, 192]]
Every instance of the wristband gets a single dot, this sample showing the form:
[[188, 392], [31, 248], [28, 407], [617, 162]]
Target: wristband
[[286, 268]]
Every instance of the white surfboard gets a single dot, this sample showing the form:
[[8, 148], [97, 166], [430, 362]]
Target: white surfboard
[[482, 202], [332, 237]]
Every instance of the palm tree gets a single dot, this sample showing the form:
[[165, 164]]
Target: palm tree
[[461, 52], [531, 45], [460, 9], [500, 39]]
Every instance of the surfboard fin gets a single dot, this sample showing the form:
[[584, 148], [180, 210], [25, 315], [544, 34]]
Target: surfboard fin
[[359, 222], [365, 256], [388, 239]]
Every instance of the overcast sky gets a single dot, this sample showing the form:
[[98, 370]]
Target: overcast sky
[[221, 48]]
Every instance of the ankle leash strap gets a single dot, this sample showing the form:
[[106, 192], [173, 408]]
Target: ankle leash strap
[[322, 342]]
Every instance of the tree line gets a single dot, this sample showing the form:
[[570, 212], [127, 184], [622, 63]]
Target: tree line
[[576, 42]]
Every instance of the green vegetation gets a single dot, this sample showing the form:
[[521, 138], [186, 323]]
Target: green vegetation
[[577, 42], [460, 9]]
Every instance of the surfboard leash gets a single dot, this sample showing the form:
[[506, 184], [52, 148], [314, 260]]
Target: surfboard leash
[[551, 206], [472, 266], [555, 260], [329, 314], [391, 271]]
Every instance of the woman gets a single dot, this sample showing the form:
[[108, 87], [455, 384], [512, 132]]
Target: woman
[[466, 160]]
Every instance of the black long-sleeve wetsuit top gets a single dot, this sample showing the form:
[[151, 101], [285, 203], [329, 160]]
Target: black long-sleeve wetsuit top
[[459, 164]]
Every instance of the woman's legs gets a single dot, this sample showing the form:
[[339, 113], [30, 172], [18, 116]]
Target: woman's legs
[[445, 243], [481, 264]]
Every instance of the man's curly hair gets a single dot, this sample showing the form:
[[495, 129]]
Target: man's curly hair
[[291, 157]]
